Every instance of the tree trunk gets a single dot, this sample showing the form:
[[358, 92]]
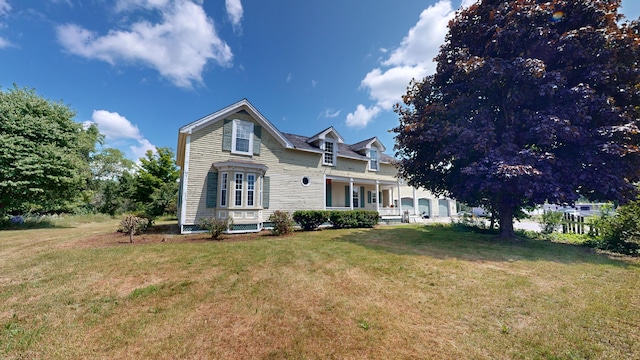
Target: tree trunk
[[131, 236], [505, 211]]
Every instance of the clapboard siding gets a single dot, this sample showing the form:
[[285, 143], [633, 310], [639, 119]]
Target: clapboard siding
[[286, 168]]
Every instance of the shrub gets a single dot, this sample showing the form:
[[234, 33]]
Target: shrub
[[550, 221], [215, 226], [620, 232], [310, 219], [150, 221], [282, 222], [470, 223], [354, 218], [132, 225]]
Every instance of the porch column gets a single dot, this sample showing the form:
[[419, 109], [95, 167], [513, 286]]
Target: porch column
[[350, 197], [324, 192], [415, 202], [378, 196], [399, 199]]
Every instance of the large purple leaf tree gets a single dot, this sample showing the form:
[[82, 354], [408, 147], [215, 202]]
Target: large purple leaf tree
[[531, 102]]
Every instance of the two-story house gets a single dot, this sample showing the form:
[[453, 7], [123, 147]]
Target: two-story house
[[236, 163]]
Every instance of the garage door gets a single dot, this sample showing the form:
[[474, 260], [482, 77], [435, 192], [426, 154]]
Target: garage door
[[407, 204], [443, 208], [424, 206]]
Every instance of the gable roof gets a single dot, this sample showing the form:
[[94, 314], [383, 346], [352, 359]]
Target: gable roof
[[322, 134], [366, 144], [289, 141], [242, 105]]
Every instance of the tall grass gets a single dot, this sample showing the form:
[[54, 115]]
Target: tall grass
[[388, 292]]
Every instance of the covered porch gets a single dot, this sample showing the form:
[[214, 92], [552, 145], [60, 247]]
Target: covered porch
[[343, 193]]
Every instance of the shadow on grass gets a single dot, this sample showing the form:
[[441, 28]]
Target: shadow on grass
[[444, 242], [32, 225]]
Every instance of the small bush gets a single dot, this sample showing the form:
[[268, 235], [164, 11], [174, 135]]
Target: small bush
[[214, 226], [150, 221], [282, 222], [133, 225], [354, 219], [620, 232], [550, 221], [310, 219], [471, 223]]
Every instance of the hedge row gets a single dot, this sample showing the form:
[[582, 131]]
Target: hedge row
[[312, 219]]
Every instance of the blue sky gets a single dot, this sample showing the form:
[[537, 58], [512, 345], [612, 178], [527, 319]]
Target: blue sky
[[141, 69]]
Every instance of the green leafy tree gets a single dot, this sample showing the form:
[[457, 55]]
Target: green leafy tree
[[108, 185], [44, 153], [110, 164], [531, 102], [156, 181]]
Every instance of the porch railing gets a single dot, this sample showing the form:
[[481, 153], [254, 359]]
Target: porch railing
[[382, 212]]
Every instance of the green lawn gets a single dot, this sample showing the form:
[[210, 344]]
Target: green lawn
[[393, 292]]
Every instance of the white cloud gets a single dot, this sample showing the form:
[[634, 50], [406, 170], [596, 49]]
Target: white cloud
[[413, 59], [5, 8], [120, 132], [314, 83], [178, 47], [140, 150], [387, 87], [235, 12], [289, 77], [330, 113], [127, 5], [424, 39], [362, 116]]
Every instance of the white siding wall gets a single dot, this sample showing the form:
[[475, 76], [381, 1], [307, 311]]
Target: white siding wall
[[286, 167]]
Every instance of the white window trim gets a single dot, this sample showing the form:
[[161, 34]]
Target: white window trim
[[255, 182], [235, 189], [355, 197], [259, 180], [377, 160], [224, 186], [334, 152], [234, 133]]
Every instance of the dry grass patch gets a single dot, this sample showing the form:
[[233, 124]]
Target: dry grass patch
[[388, 292]]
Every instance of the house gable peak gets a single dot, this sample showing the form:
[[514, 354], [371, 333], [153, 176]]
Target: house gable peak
[[322, 135]]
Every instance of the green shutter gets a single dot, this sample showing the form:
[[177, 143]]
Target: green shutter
[[346, 196], [328, 200], [361, 196], [266, 184], [257, 139], [369, 197], [212, 189], [227, 133]]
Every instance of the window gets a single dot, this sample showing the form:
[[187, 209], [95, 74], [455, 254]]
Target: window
[[260, 181], [251, 189], [356, 197], [242, 137], [224, 186], [374, 197], [328, 153], [373, 159], [238, 193]]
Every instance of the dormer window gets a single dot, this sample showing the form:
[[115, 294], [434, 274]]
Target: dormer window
[[329, 153], [242, 137], [373, 159]]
